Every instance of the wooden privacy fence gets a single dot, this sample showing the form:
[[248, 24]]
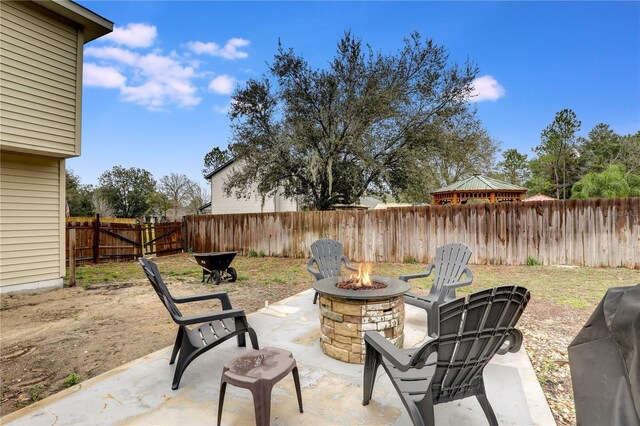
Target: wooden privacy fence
[[96, 240], [601, 232]]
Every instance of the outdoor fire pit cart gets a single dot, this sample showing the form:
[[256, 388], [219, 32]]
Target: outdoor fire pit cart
[[215, 266]]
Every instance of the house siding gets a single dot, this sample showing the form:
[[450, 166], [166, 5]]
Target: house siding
[[40, 90], [31, 219], [221, 204]]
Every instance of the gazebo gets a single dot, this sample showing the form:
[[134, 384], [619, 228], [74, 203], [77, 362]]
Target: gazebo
[[478, 187]]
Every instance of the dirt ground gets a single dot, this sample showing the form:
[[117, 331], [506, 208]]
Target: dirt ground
[[94, 328], [48, 336]]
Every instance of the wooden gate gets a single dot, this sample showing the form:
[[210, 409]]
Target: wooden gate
[[162, 239], [103, 240]]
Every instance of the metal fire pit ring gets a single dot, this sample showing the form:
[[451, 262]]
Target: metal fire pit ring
[[394, 287]]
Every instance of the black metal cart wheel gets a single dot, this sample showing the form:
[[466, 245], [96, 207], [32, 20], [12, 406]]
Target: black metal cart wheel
[[233, 275], [215, 277]]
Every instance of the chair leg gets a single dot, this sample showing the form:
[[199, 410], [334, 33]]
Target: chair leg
[[241, 340], [421, 412], [254, 338], [262, 405], [223, 388], [187, 354], [176, 346], [486, 407], [315, 298], [371, 364], [296, 380]]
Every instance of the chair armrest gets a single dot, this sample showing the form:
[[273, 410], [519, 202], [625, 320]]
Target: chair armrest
[[198, 319], [415, 300], [515, 342], [408, 277], [399, 358], [315, 272], [222, 296], [348, 265], [450, 286]]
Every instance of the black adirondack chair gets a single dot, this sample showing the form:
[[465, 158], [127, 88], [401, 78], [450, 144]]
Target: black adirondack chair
[[450, 265], [449, 367], [211, 328], [328, 258]]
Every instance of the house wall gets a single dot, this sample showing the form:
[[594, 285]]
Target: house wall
[[40, 83], [221, 204], [32, 191], [41, 48]]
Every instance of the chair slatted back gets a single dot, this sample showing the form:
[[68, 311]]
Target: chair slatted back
[[472, 330], [451, 261], [328, 253], [153, 274]]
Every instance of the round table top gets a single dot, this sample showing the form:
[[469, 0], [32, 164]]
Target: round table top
[[395, 287], [268, 363]]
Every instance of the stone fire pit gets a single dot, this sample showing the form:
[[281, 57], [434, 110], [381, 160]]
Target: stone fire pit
[[345, 315]]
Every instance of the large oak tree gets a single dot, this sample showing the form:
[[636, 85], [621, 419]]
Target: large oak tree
[[329, 135]]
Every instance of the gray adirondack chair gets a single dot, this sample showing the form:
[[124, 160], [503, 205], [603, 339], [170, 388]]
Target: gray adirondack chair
[[200, 332], [328, 258], [450, 265], [450, 367]]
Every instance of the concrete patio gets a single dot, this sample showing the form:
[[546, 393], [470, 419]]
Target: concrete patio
[[140, 392]]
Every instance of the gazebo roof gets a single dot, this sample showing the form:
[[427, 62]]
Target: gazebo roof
[[479, 183]]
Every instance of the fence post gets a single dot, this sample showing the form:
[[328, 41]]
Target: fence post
[[72, 257], [96, 238], [184, 233]]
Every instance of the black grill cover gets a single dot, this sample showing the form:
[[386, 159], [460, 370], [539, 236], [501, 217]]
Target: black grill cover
[[605, 361]]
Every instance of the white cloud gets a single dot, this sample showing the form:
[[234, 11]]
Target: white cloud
[[229, 51], [223, 84], [109, 77], [486, 88], [164, 81], [115, 53], [133, 35], [143, 74]]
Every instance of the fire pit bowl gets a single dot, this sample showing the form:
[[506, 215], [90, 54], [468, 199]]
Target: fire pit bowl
[[394, 287], [345, 315]]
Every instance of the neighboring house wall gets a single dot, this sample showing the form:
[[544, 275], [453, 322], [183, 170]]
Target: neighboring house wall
[[40, 99], [221, 204]]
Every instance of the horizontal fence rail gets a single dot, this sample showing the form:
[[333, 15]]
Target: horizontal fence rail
[[601, 232]]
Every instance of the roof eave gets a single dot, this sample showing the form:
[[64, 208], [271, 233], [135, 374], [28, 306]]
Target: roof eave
[[94, 25], [219, 169]]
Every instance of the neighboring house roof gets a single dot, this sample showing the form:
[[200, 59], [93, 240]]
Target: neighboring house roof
[[480, 183], [205, 207], [539, 197], [219, 169], [94, 25], [382, 206]]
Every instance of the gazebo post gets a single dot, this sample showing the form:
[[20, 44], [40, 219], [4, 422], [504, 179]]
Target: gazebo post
[[492, 197], [455, 198]]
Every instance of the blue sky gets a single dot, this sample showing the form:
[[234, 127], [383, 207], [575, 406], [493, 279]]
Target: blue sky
[[156, 90]]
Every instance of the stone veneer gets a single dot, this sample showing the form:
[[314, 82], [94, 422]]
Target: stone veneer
[[343, 323]]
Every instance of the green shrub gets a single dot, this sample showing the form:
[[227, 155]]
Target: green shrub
[[72, 380], [532, 261], [36, 393], [261, 254], [253, 253], [410, 259]]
